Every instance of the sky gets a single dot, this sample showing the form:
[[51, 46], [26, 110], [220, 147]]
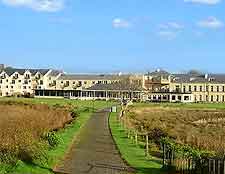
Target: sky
[[113, 35]]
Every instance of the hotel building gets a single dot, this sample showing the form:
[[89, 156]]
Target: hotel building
[[157, 86]]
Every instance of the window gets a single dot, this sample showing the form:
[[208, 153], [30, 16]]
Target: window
[[41, 82], [93, 82], [223, 98], [184, 88], [207, 88], [186, 98], [19, 81], [177, 87], [12, 87], [24, 87], [195, 88], [80, 83], [173, 97], [61, 81], [223, 88], [74, 83], [200, 97], [0, 81], [105, 82], [179, 98], [217, 98], [217, 88], [212, 88], [7, 86], [13, 81], [85, 82], [212, 98], [200, 88], [206, 98], [190, 88], [25, 82], [7, 80]]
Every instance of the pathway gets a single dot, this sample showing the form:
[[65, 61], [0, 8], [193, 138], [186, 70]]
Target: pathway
[[94, 151]]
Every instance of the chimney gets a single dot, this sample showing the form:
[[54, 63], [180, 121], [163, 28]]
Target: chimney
[[2, 66]]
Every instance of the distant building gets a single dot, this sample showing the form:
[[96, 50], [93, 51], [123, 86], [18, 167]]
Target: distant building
[[157, 86], [190, 87], [19, 82]]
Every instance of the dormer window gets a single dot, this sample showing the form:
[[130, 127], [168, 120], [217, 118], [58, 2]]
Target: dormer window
[[3, 76], [27, 76]]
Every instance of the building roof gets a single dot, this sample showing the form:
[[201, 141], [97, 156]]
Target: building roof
[[114, 87], [9, 71], [55, 73], [197, 78], [89, 77], [159, 72]]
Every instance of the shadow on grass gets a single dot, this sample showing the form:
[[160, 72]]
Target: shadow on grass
[[142, 170]]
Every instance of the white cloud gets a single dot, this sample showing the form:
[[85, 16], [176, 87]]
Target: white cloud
[[211, 22], [171, 25], [207, 2], [168, 35], [37, 5], [120, 23]]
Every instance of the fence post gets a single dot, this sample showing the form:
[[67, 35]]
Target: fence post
[[147, 150], [209, 166], [223, 166], [214, 166], [218, 167], [164, 154], [136, 138]]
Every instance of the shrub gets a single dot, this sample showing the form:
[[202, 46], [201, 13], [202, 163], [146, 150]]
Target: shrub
[[52, 138]]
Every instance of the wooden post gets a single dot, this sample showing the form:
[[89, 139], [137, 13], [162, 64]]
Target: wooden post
[[147, 150], [209, 166], [164, 149], [136, 138], [218, 167], [214, 166], [223, 166]]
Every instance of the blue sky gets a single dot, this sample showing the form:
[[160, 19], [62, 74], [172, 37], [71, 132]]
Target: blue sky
[[113, 35]]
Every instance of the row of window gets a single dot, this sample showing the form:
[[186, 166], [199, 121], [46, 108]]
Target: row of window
[[14, 81], [211, 98], [201, 88], [85, 82], [12, 87]]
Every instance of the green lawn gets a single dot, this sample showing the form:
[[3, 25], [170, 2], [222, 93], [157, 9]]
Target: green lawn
[[68, 134], [134, 155]]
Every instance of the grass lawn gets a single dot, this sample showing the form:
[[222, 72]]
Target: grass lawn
[[134, 155], [68, 134]]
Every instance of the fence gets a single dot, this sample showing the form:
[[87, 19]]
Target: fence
[[173, 161], [191, 165]]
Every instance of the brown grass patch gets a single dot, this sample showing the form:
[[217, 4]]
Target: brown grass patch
[[204, 129], [23, 125]]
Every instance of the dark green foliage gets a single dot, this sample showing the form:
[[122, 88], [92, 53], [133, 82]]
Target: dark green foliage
[[53, 139]]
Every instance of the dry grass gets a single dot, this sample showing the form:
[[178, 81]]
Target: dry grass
[[22, 127], [204, 129]]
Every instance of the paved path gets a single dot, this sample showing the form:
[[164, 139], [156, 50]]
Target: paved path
[[94, 152]]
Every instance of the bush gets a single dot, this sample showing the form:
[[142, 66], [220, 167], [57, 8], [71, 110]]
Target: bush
[[53, 139]]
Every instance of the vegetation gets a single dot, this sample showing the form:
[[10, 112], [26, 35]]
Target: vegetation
[[200, 128], [36, 133], [134, 155], [191, 131]]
